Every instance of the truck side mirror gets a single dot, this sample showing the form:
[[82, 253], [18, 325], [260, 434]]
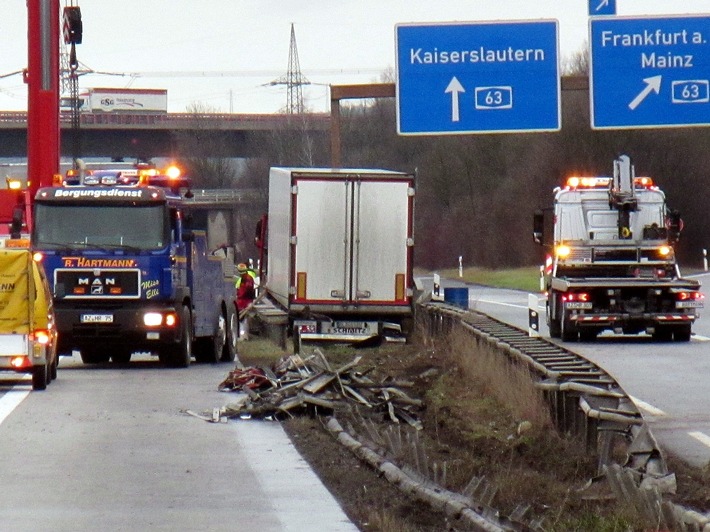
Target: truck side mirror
[[539, 227]]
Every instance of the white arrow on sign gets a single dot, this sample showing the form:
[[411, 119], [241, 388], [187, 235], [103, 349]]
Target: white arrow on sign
[[653, 84], [454, 88], [604, 3]]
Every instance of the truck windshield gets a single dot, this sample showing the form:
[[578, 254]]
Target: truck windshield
[[135, 227]]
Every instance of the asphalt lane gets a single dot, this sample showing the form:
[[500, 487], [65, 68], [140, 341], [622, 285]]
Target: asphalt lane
[[111, 448]]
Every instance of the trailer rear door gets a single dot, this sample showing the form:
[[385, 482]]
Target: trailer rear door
[[352, 243]]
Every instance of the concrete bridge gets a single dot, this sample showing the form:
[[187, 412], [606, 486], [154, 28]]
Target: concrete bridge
[[163, 135]]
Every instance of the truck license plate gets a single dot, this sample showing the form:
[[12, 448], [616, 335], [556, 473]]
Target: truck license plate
[[97, 318], [688, 304]]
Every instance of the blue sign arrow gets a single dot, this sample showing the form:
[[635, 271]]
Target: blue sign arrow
[[650, 72], [602, 7], [477, 77]]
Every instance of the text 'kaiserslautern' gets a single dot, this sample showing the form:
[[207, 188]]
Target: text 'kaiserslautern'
[[420, 56]]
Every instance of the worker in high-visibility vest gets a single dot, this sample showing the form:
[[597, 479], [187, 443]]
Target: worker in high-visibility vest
[[246, 292]]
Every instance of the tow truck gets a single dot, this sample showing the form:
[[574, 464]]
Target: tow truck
[[130, 268], [611, 263]]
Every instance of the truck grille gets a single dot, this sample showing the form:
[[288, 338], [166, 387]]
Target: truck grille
[[98, 283]]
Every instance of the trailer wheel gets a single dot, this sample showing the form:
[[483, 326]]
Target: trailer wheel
[[40, 377]]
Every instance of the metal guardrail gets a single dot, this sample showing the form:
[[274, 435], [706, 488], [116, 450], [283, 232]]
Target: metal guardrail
[[585, 400]]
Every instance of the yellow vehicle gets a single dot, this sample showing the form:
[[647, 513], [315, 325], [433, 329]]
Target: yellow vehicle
[[28, 337]]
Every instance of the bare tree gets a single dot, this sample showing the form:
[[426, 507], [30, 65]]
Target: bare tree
[[208, 154]]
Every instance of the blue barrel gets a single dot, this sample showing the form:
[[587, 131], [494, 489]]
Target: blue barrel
[[456, 296]]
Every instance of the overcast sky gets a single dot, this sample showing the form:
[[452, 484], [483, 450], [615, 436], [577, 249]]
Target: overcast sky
[[224, 53]]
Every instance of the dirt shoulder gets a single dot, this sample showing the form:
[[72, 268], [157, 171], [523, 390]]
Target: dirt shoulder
[[520, 464]]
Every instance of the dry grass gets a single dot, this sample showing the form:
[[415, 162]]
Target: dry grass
[[484, 418]]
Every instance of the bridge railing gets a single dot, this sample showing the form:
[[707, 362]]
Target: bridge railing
[[175, 119]]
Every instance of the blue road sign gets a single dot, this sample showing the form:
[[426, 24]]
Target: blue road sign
[[650, 72], [602, 7], [481, 77]]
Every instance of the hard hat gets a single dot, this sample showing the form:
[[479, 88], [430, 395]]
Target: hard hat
[[241, 267]]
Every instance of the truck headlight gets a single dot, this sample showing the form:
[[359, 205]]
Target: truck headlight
[[152, 319]]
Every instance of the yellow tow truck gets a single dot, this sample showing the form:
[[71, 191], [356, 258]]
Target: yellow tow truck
[[28, 337]]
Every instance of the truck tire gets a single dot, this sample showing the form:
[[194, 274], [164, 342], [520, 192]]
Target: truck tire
[[553, 323], [208, 350], [182, 356], [568, 332], [682, 333], [53, 368], [229, 352], [663, 333], [40, 377]]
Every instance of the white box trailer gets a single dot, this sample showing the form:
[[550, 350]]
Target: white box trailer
[[118, 100], [340, 250]]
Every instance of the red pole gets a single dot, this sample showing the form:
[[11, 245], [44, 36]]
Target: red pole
[[42, 77]]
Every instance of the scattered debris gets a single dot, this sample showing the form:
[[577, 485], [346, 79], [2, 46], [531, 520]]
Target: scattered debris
[[296, 385]]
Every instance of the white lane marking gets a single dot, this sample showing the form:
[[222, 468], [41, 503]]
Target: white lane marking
[[701, 437], [11, 400], [649, 409], [501, 304], [701, 338]]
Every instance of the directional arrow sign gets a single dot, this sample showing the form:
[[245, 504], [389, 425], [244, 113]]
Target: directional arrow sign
[[479, 77], [602, 7], [650, 72]]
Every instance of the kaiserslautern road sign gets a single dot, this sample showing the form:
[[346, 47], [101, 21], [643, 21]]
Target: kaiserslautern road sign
[[479, 77], [650, 72]]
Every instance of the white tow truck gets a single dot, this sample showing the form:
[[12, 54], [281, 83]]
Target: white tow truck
[[611, 263]]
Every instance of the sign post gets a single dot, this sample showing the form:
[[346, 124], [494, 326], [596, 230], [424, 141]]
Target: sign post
[[649, 72], [480, 77]]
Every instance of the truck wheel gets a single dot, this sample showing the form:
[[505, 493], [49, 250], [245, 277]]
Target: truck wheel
[[209, 350], [229, 352], [40, 377], [552, 322], [568, 332], [662, 334], [93, 355], [682, 333], [182, 356], [53, 367]]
